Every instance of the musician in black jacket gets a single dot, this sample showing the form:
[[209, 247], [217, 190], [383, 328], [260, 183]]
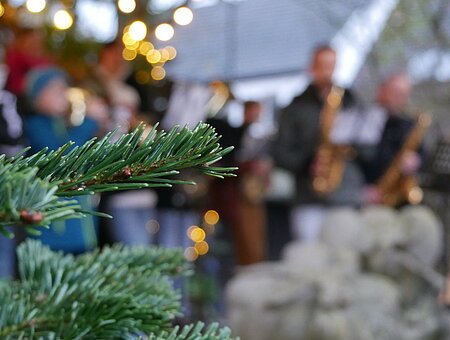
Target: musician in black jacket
[[298, 140], [386, 128]]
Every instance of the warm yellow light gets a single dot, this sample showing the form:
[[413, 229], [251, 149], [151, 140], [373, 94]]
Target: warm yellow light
[[211, 217], [183, 16], [126, 6], [138, 30], [165, 55], [128, 54], [201, 247], [145, 47], [197, 234], [129, 41], [158, 73], [2, 10], [172, 52], [62, 19], [153, 56], [35, 6], [191, 254], [190, 230], [164, 32]]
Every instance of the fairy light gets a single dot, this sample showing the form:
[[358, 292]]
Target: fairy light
[[2, 10], [202, 247], [153, 56], [145, 47], [164, 32], [138, 30], [172, 52], [62, 19], [126, 6], [128, 54], [191, 254], [35, 6], [211, 217], [183, 16], [197, 234]]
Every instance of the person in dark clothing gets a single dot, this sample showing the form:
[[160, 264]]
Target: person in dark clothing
[[388, 127], [298, 139]]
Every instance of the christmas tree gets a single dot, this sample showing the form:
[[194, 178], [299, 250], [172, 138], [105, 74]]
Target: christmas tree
[[116, 293]]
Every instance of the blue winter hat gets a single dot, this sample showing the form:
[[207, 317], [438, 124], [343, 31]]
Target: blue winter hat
[[38, 79]]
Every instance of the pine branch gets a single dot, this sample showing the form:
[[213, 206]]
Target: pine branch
[[195, 332], [116, 294], [132, 162]]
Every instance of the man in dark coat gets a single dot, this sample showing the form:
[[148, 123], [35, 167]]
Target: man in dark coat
[[386, 128], [299, 138]]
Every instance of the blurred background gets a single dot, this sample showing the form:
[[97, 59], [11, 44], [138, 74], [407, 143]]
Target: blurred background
[[236, 64]]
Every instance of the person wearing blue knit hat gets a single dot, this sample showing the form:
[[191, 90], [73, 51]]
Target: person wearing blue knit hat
[[45, 126]]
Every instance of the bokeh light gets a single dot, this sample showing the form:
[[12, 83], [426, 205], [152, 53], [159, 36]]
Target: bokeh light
[[62, 19], [145, 47], [164, 32], [2, 10], [202, 247], [190, 254], [211, 217], [138, 30], [158, 73], [197, 234], [126, 6], [183, 16], [35, 6], [153, 56], [152, 226], [128, 54], [172, 52]]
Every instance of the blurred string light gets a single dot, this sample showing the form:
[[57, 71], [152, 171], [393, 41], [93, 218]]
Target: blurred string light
[[211, 217], [138, 30], [172, 52], [145, 47], [201, 247], [62, 19], [153, 56], [183, 16], [191, 254], [126, 6], [128, 54], [164, 32], [196, 234], [35, 6], [2, 10]]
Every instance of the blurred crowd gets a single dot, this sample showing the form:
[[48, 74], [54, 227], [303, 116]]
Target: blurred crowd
[[338, 152]]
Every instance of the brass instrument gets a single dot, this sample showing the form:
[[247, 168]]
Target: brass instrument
[[396, 187], [331, 156]]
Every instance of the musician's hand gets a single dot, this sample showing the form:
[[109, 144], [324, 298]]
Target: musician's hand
[[371, 195], [320, 163], [410, 163]]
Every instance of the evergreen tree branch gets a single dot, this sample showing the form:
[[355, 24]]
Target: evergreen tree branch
[[133, 161], [90, 297]]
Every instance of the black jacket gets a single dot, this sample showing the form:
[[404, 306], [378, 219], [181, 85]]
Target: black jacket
[[296, 145]]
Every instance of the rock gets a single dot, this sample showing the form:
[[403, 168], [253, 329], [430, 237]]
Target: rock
[[383, 227], [423, 233], [344, 228], [320, 257]]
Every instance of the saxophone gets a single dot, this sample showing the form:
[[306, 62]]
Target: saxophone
[[332, 156], [396, 187]]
